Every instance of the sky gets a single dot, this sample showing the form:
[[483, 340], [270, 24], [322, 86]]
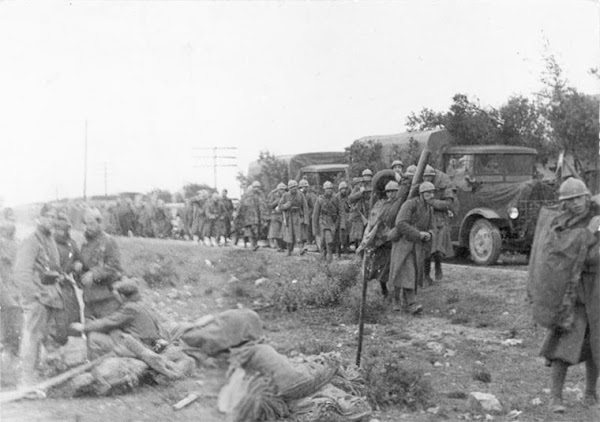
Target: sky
[[154, 82]]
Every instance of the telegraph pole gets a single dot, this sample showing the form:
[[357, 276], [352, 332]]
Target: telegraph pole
[[215, 159], [105, 181], [85, 162]]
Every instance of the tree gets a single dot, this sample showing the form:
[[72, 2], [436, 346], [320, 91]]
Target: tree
[[408, 154], [363, 155], [161, 194], [191, 189], [427, 119], [571, 115], [272, 171]]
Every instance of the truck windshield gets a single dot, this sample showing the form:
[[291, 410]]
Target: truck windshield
[[510, 164]]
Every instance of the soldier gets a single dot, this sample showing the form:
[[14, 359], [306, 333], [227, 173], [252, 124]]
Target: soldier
[[101, 267], [212, 213], [129, 331], [198, 216], [276, 224], [343, 239], [11, 314], [563, 348], [410, 240], [253, 209], [228, 214], [441, 243], [37, 273], [398, 166], [381, 221], [70, 263], [329, 215], [311, 199], [295, 214], [360, 202]]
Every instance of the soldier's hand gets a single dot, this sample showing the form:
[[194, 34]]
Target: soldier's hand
[[88, 279], [362, 189], [425, 236], [77, 267], [594, 224], [77, 326]]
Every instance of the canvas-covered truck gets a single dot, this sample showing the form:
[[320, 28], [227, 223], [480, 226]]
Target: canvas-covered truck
[[497, 188]]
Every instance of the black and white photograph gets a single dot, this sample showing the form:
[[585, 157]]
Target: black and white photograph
[[299, 211]]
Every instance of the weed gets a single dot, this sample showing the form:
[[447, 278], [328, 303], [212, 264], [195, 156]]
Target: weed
[[313, 346], [391, 384], [161, 273], [375, 309]]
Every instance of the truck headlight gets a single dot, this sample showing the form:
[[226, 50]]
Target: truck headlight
[[513, 213]]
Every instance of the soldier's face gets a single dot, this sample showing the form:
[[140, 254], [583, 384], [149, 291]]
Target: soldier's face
[[328, 192], [294, 190], [578, 205], [92, 226], [398, 169], [427, 196], [428, 178], [47, 220], [390, 193]]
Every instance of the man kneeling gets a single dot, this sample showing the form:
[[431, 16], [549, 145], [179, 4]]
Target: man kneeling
[[131, 331]]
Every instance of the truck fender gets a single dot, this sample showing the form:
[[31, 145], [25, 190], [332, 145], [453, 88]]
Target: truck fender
[[470, 218]]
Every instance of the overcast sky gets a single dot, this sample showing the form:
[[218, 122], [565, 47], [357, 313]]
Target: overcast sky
[[156, 79]]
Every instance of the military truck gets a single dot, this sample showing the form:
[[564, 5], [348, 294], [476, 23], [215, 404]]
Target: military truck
[[498, 191]]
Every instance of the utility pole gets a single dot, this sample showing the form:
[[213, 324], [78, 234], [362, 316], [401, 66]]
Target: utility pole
[[105, 180], [85, 162], [215, 159]]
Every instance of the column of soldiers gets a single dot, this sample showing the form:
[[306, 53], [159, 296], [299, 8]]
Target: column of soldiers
[[48, 282]]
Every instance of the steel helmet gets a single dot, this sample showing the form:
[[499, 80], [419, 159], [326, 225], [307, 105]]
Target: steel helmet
[[255, 184], [429, 171], [328, 185], [411, 170], [303, 183], [426, 187], [342, 185], [292, 184], [397, 163], [367, 172], [391, 185], [572, 188], [281, 186]]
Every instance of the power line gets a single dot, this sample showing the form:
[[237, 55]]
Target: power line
[[214, 157]]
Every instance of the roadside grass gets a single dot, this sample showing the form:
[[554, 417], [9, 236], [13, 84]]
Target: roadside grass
[[413, 376]]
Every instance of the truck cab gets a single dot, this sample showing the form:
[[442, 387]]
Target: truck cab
[[499, 198]]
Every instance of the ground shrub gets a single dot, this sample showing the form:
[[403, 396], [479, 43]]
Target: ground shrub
[[161, 273], [391, 383], [313, 346], [375, 307]]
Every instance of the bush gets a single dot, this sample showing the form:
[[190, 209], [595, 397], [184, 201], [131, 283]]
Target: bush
[[375, 307], [391, 384], [161, 273]]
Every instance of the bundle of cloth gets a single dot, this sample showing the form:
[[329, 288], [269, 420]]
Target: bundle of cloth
[[265, 385]]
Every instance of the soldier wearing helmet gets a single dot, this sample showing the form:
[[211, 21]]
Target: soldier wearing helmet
[[275, 235], [343, 238], [397, 166], [311, 199], [254, 213], [445, 205], [411, 236], [360, 204], [580, 216], [295, 215], [329, 215], [11, 314]]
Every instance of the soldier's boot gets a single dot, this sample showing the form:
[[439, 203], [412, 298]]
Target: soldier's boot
[[396, 303], [427, 273], [559, 373], [153, 360], [591, 379], [290, 248], [438, 267], [384, 290]]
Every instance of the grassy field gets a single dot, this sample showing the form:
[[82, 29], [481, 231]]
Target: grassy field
[[475, 335]]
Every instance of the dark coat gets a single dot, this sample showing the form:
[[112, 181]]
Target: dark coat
[[329, 214], [100, 255], [295, 210], [408, 251], [36, 254], [584, 339], [133, 317], [253, 209], [9, 292]]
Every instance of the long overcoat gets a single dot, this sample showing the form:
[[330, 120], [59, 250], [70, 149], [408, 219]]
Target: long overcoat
[[408, 251], [576, 345], [446, 202], [276, 224], [328, 216], [253, 208], [295, 210]]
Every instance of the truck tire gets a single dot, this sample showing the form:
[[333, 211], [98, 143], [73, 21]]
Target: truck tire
[[485, 242]]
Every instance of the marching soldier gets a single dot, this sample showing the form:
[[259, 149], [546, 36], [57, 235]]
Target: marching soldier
[[329, 215], [254, 212], [343, 241], [295, 214], [276, 223], [311, 198]]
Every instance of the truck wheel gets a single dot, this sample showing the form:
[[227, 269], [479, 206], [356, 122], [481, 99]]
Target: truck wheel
[[485, 242]]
